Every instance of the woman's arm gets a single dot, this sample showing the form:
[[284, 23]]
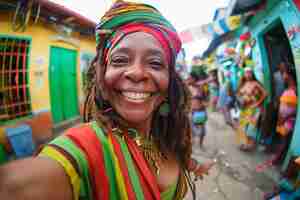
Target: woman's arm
[[198, 169], [34, 179], [238, 91], [262, 97]]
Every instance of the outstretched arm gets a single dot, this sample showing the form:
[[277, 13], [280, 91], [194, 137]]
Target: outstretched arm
[[34, 179], [198, 169]]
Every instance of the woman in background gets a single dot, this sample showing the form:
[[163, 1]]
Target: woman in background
[[196, 84], [286, 120], [250, 96], [225, 99], [213, 88]]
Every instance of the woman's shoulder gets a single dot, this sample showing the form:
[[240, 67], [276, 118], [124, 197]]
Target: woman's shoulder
[[82, 130], [75, 150], [257, 83], [85, 134]]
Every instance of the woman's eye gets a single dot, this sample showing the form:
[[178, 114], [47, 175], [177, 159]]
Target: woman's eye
[[119, 61], [156, 64]]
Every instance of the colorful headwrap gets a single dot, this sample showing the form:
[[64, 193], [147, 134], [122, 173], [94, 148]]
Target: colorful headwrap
[[248, 69], [124, 18]]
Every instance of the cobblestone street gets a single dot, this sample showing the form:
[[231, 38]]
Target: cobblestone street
[[234, 176]]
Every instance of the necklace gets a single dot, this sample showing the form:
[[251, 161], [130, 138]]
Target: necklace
[[148, 147], [151, 152]]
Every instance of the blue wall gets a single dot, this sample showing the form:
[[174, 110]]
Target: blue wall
[[286, 12]]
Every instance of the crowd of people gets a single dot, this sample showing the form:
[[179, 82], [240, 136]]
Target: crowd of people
[[243, 108]]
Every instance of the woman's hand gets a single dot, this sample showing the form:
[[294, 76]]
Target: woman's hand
[[203, 169]]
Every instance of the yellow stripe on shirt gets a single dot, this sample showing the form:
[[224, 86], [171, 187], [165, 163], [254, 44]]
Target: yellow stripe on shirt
[[119, 177], [68, 167]]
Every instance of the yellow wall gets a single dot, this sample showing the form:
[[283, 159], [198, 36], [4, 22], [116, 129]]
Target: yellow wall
[[43, 35]]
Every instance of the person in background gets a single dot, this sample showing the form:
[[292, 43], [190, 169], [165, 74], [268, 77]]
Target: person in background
[[279, 82], [270, 119], [250, 95], [286, 120], [286, 114], [213, 88], [136, 142], [226, 98], [287, 187], [199, 97]]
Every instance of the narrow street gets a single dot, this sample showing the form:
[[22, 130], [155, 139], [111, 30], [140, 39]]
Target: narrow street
[[234, 176], [137, 67]]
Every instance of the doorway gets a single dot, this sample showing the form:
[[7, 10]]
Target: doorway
[[63, 87], [279, 52]]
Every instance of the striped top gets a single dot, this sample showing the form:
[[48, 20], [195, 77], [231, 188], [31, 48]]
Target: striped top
[[94, 160]]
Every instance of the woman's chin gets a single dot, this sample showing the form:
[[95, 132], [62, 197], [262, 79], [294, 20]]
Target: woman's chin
[[136, 116]]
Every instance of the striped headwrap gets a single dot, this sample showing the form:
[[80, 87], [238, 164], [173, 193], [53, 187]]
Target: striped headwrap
[[124, 18]]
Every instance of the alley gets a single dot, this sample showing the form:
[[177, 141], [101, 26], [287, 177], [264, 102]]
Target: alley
[[141, 74], [234, 176]]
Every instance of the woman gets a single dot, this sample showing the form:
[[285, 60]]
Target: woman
[[286, 115], [225, 98], [250, 96], [286, 120], [213, 88], [137, 143], [196, 85]]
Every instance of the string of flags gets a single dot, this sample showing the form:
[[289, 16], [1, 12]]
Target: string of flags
[[211, 30]]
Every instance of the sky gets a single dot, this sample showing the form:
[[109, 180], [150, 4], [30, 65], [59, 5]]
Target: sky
[[182, 14]]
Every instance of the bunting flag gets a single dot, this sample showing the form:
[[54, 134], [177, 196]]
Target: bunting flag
[[211, 30], [225, 25], [195, 33]]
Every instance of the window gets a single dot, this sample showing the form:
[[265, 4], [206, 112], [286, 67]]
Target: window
[[14, 88], [86, 59]]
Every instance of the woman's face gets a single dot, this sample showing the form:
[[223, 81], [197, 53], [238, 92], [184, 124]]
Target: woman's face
[[136, 79], [248, 75], [288, 79], [285, 77]]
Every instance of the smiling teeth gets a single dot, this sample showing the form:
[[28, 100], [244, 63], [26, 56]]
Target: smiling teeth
[[136, 95]]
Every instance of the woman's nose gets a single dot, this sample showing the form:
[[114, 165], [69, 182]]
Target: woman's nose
[[136, 72]]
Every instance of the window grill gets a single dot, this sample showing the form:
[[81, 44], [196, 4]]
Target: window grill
[[14, 88]]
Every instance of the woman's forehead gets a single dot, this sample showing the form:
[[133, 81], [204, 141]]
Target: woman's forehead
[[139, 41]]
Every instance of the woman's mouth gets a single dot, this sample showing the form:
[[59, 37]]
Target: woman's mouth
[[136, 96]]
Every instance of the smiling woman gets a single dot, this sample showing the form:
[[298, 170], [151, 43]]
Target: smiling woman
[[136, 79], [136, 142]]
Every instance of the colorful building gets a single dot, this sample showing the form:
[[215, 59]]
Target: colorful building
[[276, 32], [269, 35], [44, 50]]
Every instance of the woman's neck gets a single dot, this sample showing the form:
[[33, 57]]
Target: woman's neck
[[143, 127]]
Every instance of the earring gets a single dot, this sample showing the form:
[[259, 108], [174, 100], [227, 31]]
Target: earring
[[164, 109]]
